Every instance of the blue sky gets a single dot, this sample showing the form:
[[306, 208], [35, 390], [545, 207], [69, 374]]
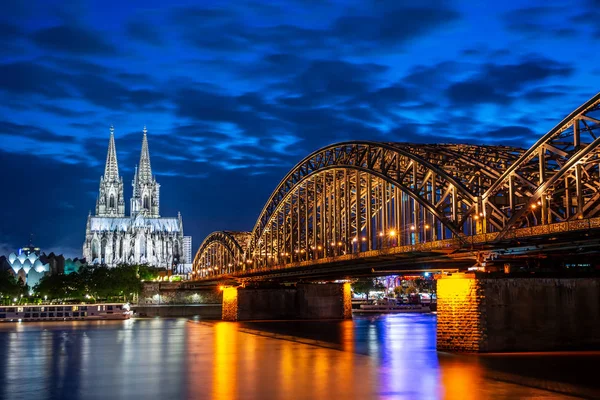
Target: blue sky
[[235, 93]]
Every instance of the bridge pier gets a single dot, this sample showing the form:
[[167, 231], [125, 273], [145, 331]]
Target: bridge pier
[[479, 312], [302, 301]]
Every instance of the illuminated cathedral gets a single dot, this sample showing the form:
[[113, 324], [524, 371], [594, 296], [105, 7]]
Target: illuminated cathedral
[[143, 237]]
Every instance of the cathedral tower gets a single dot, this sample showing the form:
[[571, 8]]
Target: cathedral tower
[[146, 191], [110, 202]]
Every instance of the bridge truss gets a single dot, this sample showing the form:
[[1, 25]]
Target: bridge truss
[[361, 197]]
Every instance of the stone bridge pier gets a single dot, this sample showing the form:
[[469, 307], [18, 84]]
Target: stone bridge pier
[[480, 312], [302, 301]]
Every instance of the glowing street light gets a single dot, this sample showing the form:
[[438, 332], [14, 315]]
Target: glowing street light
[[392, 233]]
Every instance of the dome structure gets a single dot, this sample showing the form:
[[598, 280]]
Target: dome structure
[[28, 267]]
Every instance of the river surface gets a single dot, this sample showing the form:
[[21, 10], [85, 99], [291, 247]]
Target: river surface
[[376, 357]]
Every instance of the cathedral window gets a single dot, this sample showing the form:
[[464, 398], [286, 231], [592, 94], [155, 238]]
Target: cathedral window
[[95, 250], [146, 203], [111, 203]]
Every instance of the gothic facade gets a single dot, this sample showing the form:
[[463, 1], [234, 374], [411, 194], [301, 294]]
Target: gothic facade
[[143, 237]]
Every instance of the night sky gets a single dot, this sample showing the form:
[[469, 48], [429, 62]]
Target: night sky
[[234, 93]]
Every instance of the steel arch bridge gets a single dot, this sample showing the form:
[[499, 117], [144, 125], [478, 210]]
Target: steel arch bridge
[[360, 199]]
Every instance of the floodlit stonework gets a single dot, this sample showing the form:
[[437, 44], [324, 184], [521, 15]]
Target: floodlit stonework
[[143, 237]]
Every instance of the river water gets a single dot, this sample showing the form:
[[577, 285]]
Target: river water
[[377, 357]]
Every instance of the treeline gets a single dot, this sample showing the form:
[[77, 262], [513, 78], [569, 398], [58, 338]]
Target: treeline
[[92, 283], [11, 287]]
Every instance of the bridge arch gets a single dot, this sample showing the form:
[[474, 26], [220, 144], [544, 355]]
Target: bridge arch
[[361, 196], [221, 252], [384, 194]]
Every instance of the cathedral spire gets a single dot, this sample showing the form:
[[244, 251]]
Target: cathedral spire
[[144, 169], [111, 170], [110, 202], [146, 191]]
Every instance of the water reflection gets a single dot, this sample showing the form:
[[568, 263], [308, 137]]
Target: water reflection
[[387, 357]]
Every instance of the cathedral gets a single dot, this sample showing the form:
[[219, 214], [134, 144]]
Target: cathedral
[[143, 237]]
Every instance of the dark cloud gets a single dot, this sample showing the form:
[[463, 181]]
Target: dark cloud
[[29, 78], [511, 136], [145, 32], [72, 39], [33, 132], [385, 98], [476, 92], [64, 112], [533, 22], [500, 83], [9, 32], [382, 24], [77, 65], [329, 80], [392, 27]]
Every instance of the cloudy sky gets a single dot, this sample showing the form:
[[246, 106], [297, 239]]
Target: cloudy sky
[[234, 93]]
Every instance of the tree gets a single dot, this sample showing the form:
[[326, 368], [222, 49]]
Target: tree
[[365, 285], [101, 282], [148, 273], [11, 286], [126, 280]]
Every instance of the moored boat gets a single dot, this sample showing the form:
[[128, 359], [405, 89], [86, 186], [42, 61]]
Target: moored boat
[[64, 312]]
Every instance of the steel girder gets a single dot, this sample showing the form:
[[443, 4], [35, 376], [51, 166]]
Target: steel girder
[[439, 178], [556, 180]]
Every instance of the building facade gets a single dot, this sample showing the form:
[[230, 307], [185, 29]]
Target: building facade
[[143, 237], [187, 249]]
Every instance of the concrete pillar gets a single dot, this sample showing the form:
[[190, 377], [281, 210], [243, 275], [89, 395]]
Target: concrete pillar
[[485, 313], [459, 323], [230, 304], [303, 301]]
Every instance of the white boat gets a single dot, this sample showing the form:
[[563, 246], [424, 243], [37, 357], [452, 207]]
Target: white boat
[[65, 312], [386, 305]]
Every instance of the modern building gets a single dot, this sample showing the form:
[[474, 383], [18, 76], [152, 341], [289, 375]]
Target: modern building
[[187, 249], [143, 237], [186, 266], [28, 265]]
